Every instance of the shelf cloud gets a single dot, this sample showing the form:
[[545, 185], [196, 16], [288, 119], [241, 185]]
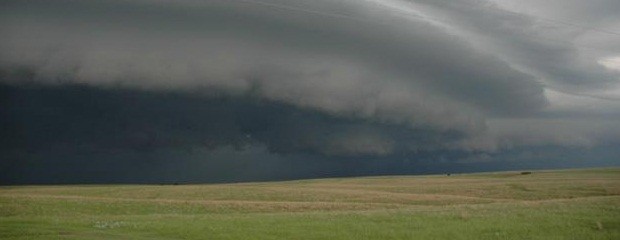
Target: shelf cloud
[[329, 79]]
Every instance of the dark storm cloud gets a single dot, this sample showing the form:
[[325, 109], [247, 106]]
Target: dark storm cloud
[[77, 133], [372, 65], [41, 118], [326, 81], [82, 134]]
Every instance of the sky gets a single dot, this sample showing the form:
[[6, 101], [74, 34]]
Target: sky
[[189, 91]]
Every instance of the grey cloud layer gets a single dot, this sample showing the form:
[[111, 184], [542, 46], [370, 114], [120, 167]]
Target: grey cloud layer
[[551, 53], [381, 71], [410, 84]]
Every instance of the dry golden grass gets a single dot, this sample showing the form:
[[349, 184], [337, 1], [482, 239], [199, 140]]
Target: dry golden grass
[[583, 203]]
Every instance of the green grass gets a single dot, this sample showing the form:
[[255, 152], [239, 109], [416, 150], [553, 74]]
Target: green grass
[[569, 204]]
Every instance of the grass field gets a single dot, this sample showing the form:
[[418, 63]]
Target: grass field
[[570, 204]]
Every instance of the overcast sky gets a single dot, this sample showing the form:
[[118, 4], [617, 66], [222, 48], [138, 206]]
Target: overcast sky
[[240, 90]]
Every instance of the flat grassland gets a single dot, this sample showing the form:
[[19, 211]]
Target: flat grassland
[[568, 204]]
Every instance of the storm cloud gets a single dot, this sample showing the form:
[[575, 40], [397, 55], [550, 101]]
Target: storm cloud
[[328, 81]]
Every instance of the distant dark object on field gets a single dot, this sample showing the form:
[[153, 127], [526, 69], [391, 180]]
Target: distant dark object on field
[[448, 174], [526, 173], [173, 184]]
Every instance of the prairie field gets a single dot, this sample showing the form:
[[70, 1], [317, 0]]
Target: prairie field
[[563, 204]]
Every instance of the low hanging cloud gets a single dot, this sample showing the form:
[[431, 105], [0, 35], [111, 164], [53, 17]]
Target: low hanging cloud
[[337, 78], [385, 67], [78, 117]]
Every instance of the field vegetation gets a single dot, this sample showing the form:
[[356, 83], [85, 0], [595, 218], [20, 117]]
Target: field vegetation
[[567, 204]]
